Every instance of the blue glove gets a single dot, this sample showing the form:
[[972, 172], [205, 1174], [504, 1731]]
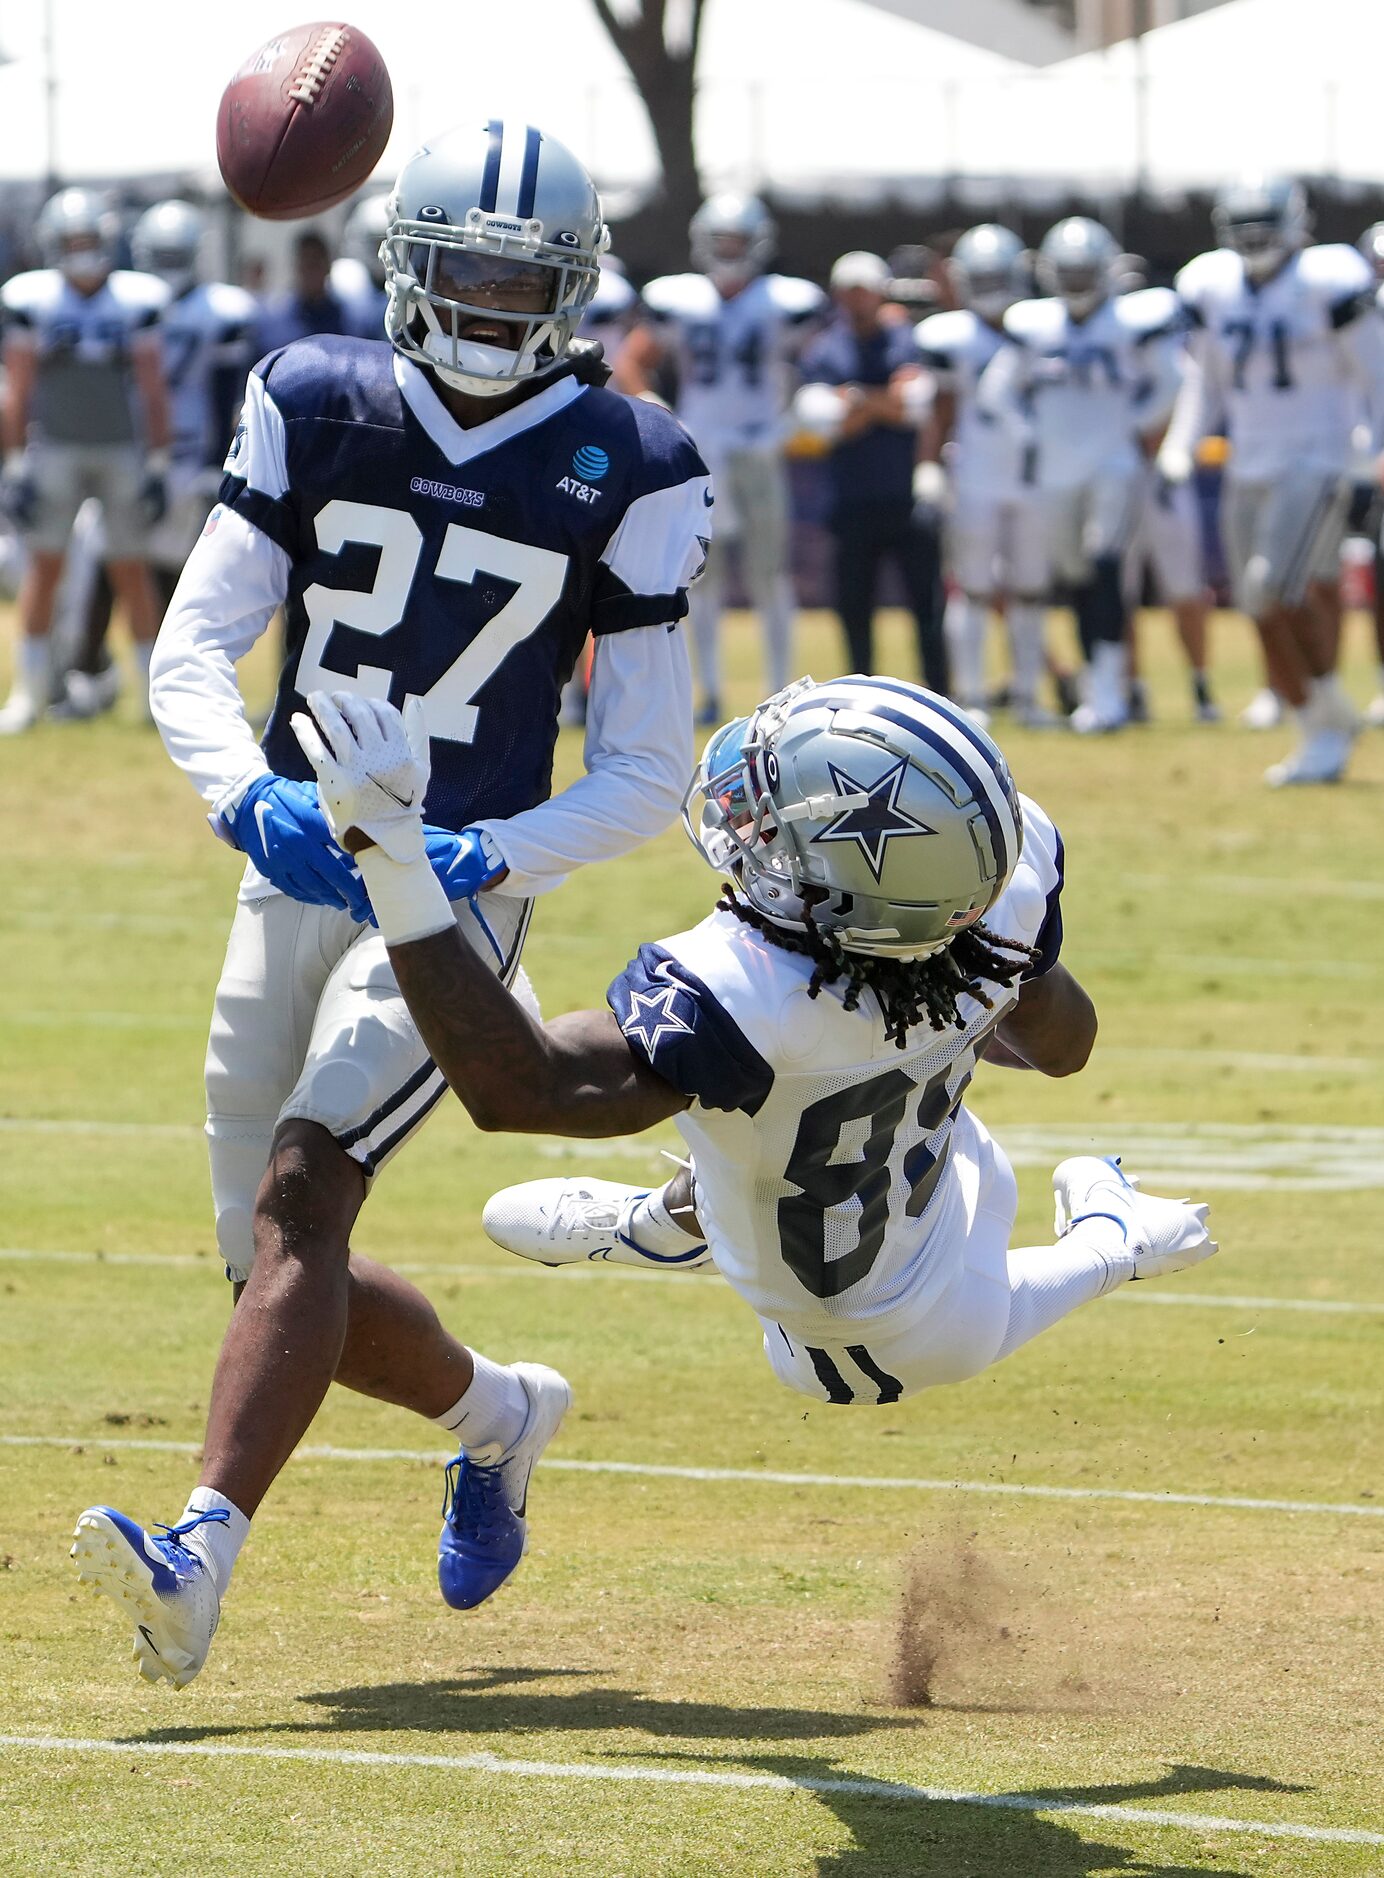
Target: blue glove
[[461, 862], [280, 826]]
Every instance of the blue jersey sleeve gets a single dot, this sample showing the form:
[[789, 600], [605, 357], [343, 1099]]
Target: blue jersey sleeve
[[675, 1024], [1048, 944]]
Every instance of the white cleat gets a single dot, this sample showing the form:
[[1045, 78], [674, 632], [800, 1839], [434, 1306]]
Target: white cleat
[[164, 1589], [87, 694], [1037, 717], [573, 1222], [1263, 712], [1321, 757], [18, 713], [1163, 1235], [1086, 721]]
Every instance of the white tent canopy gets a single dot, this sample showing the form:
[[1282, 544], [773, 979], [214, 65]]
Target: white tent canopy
[[830, 95]]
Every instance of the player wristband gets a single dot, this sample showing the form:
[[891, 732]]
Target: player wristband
[[407, 896]]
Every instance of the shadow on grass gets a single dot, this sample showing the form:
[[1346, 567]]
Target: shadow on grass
[[893, 1834]]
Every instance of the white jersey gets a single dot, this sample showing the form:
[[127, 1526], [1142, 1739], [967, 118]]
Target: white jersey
[[1290, 367], [207, 334], [1079, 393], [733, 355], [364, 303], [985, 455], [823, 1178], [83, 341]]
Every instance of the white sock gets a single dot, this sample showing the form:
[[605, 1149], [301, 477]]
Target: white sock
[[654, 1229], [216, 1542], [1048, 1282], [964, 624], [33, 667], [489, 1418], [704, 617], [1026, 621]]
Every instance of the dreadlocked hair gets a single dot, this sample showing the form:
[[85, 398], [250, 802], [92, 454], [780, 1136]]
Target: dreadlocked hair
[[908, 990]]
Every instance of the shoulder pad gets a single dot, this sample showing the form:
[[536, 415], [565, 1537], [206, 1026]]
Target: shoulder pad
[[681, 296], [794, 298]]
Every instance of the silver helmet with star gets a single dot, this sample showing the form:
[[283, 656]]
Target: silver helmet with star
[[871, 808]]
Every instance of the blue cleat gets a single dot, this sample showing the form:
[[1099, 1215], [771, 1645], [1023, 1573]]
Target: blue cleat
[[484, 1523], [163, 1588]]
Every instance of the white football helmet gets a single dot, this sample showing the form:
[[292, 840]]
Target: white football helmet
[[1263, 221], [987, 267], [1076, 262], [732, 239], [165, 241], [1371, 245], [491, 254], [875, 804], [76, 233]]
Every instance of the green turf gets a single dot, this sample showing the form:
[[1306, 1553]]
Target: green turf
[[1192, 1659]]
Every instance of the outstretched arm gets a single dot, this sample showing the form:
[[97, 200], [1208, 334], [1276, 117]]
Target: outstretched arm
[[575, 1076]]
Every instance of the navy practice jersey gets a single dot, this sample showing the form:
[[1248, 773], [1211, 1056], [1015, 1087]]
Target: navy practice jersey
[[463, 567]]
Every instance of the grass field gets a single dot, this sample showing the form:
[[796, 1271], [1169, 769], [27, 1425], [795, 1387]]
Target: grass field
[[705, 1675]]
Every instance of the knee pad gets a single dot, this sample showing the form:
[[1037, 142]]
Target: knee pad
[[239, 1154]]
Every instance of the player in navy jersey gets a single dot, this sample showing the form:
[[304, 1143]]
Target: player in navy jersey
[[892, 916], [442, 518]]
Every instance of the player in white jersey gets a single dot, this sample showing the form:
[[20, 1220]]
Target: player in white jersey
[[1371, 245], [207, 329], [732, 331], [86, 414], [995, 540], [893, 918], [1286, 350], [1090, 374]]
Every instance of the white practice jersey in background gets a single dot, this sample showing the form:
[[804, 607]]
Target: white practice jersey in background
[[733, 355], [823, 1178], [83, 341], [607, 318], [207, 331], [1290, 367], [1080, 392], [985, 457]]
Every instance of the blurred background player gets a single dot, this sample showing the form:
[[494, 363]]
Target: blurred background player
[[356, 276], [86, 414], [995, 542], [731, 331], [863, 396], [1089, 375], [207, 329], [1368, 507], [1287, 351], [312, 304], [607, 321], [1167, 550]]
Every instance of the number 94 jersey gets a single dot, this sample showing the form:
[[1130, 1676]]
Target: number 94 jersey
[[461, 566], [733, 354], [824, 1181]]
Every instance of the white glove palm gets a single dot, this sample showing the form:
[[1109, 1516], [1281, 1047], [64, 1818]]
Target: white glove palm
[[372, 769]]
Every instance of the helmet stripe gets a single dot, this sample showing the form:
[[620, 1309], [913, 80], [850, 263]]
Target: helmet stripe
[[528, 179], [943, 707], [981, 778], [490, 176]]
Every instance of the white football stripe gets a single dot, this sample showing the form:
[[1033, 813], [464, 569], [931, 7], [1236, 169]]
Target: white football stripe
[[895, 1791], [874, 1483]]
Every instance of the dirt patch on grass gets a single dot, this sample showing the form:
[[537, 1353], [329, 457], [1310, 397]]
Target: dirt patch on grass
[[955, 1607]]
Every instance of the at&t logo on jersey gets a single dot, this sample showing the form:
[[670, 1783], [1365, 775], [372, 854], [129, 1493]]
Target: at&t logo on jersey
[[590, 463]]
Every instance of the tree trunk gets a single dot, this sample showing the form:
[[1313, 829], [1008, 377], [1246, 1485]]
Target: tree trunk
[[666, 81]]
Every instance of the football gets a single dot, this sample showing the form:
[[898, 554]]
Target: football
[[304, 121]]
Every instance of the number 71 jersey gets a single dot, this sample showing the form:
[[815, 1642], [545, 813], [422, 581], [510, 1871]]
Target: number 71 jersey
[[824, 1181], [461, 566], [1278, 356]]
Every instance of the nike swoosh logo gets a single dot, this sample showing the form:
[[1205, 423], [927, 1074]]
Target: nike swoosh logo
[[143, 1630], [261, 818], [405, 802]]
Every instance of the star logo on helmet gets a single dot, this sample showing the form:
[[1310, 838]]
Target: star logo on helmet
[[652, 1017], [872, 825]]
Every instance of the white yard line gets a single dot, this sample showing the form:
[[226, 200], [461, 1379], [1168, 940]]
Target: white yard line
[[603, 1273], [757, 1475], [897, 1791]]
